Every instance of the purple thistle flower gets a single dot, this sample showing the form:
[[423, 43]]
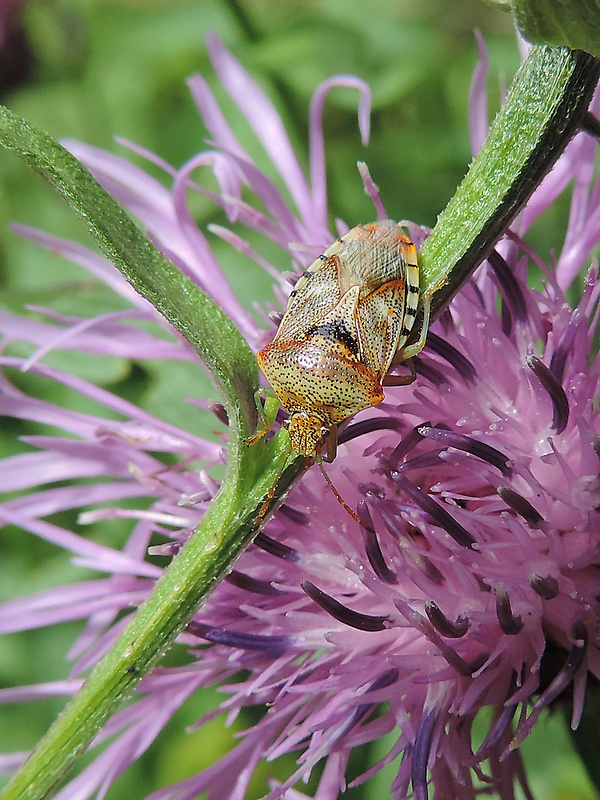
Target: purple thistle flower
[[473, 579]]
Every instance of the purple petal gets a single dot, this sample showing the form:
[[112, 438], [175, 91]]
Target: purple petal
[[265, 122], [317, 144]]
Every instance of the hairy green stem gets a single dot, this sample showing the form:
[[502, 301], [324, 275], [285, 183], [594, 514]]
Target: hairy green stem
[[545, 106], [227, 528]]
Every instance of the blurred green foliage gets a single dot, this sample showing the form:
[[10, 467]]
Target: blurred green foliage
[[95, 68]]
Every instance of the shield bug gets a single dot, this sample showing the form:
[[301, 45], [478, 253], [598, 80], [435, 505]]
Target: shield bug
[[349, 319]]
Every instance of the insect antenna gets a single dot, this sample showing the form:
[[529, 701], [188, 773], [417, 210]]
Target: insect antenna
[[338, 496]]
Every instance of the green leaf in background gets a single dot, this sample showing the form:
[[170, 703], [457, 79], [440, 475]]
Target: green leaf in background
[[570, 23]]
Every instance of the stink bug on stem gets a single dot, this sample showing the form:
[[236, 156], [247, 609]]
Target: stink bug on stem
[[349, 319]]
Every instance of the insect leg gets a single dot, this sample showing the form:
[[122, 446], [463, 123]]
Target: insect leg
[[266, 414], [414, 349], [331, 444], [407, 353], [400, 380], [338, 496]]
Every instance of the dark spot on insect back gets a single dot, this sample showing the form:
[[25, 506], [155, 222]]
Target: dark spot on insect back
[[336, 332]]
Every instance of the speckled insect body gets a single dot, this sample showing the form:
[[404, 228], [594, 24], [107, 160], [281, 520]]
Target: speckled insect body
[[349, 318]]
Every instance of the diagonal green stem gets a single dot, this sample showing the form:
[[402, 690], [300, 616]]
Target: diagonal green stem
[[544, 108], [227, 528], [192, 312], [247, 493]]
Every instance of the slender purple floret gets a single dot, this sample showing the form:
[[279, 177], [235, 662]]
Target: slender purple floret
[[474, 569]]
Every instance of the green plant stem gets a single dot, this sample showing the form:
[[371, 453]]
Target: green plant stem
[[192, 312], [543, 110], [227, 527], [591, 125], [545, 106], [246, 496]]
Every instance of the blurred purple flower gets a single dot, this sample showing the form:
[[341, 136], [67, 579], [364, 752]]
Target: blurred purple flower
[[473, 581]]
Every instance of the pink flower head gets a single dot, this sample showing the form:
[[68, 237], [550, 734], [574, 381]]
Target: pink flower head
[[473, 580]]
